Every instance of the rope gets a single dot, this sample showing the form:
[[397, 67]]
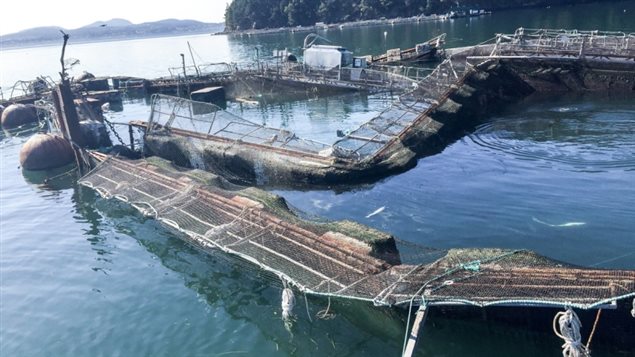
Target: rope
[[49, 179], [326, 314], [566, 325], [306, 303], [595, 324], [633, 311]]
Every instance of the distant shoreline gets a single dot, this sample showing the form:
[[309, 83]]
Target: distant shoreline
[[71, 42], [342, 25]]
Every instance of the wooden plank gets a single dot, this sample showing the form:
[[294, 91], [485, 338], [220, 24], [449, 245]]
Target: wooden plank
[[422, 313]]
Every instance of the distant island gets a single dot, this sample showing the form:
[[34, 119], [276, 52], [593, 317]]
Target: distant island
[[261, 14], [115, 29]]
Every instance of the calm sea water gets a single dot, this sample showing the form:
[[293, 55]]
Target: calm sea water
[[82, 276]]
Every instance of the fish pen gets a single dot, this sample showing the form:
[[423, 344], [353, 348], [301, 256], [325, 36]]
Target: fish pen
[[344, 259], [605, 44], [451, 99], [201, 135]]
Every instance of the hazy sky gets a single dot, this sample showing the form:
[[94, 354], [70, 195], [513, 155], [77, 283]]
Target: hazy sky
[[18, 15]]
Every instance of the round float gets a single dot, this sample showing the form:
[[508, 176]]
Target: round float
[[46, 151], [18, 114]]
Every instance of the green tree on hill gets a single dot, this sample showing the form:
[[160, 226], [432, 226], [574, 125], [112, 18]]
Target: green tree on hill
[[248, 14]]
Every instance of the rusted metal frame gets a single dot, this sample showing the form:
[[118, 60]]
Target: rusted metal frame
[[554, 280], [505, 300]]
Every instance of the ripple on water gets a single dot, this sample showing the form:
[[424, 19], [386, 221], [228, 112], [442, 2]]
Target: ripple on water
[[564, 139]]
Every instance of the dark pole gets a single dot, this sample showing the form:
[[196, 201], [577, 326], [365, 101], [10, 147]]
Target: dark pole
[[66, 105]]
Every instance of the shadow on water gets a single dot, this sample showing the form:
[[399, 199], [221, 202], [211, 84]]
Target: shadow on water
[[60, 178], [253, 296]]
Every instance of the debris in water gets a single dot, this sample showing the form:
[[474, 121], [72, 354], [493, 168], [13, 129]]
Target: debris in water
[[566, 224], [376, 212]]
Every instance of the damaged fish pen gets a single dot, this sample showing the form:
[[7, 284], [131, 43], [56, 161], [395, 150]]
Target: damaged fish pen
[[202, 136], [470, 84], [562, 60], [347, 260]]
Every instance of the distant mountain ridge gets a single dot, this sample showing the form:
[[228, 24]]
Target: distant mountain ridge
[[111, 22], [113, 29]]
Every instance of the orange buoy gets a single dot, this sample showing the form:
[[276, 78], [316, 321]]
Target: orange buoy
[[46, 151], [18, 114]]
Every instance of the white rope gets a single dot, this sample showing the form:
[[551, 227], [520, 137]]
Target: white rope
[[566, 325], [633, 311], [326, 314]]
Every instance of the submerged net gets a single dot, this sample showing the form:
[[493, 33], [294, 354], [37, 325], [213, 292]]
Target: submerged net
[[344, 259], [370, 138], [208, 120]]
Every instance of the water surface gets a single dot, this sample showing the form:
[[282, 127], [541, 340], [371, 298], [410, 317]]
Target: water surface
[[83, 276]]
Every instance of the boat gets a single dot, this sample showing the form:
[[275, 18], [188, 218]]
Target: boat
[[422, 52]]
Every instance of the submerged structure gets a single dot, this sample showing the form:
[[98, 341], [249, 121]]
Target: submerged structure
[[470, 83], [345, 259]]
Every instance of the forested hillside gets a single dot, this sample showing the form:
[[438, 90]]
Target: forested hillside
[[248, 14]]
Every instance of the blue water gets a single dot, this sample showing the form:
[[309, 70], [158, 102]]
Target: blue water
[[82, 276]]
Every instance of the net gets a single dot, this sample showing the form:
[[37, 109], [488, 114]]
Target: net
[[344, 259]]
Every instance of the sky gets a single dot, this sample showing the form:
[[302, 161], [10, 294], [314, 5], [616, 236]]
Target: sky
[[20, 15]]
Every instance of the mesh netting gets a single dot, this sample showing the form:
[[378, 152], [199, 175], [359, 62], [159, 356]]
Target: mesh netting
[[373, 136], [543, 42], [322, 259], [208, 120]]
